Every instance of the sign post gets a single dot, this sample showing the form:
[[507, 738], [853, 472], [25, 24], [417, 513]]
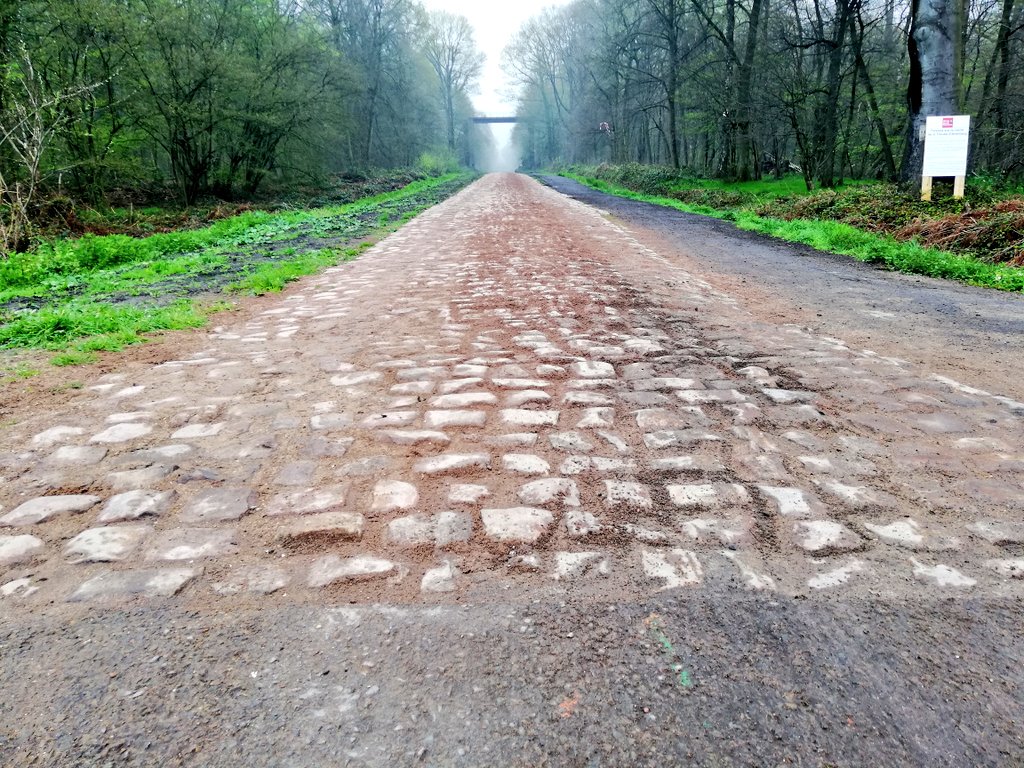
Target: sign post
[[946, 141]]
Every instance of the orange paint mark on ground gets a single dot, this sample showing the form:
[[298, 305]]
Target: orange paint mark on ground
[[568, 707]]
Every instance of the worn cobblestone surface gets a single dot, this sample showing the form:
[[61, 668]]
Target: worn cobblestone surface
[[512, 397]]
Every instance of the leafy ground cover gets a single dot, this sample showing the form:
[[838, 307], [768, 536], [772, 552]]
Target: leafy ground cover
[[979, 240], [101, 292], [142, 212]]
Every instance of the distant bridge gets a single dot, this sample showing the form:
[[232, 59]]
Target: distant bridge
[[490, 120]]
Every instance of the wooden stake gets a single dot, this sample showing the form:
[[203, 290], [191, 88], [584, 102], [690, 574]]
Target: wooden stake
[[958, 186], [926, 188]]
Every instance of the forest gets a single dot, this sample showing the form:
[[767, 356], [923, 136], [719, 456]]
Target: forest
[[169, 102], [739, 89], [101, 100]]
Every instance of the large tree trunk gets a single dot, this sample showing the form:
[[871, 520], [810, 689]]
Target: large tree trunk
[[728, 169], [745, 166], [829, 115], [671, 23], [933, 45]]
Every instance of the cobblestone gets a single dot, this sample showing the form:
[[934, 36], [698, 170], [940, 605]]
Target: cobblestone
[[546, 491], [525, 464], [571, 565], [331, 568], [146, 583], [580, 523], [444, 419], [218, 505], [411, 531], [77, 455], [308, 501], [122, 433], [821, 537], [1000, 533], [132, 505], [523, 418], [467, 493], [196, 431], [389, 495], [440, 579], [260, 580], [192, 544], [104, 545], [20, 549], [321, 527], [59, 434], [674, 568], [136, 479], [620, 442], [708, 496], [452, 462], [42, 509], [524, 524]]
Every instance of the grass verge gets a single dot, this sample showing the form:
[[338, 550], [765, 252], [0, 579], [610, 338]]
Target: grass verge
[[842, 238], [272, 278], [81, 331], [101, 293]]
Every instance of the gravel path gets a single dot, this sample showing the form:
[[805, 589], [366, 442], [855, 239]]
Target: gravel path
[[517, 488]]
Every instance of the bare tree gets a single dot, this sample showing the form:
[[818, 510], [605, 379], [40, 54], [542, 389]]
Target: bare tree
[[373, 35], [30, 118], [450, 49]]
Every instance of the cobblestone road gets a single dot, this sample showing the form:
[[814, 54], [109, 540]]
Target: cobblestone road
[[512, 398]]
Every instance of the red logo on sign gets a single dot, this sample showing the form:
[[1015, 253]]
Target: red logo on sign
[[947, 122]]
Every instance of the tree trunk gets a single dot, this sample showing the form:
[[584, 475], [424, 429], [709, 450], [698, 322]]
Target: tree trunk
[[673, 84], [449, 109], [888, 161], [933, 88], [742, 107], [729, 119], [1003, 77], [829, 115]]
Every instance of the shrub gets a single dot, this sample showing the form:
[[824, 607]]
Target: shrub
[[438, 163]]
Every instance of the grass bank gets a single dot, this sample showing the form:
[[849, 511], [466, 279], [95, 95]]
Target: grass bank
[[100, 292], [144, 211], [871, 231]]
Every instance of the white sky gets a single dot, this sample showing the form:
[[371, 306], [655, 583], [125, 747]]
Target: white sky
[[494, 22]]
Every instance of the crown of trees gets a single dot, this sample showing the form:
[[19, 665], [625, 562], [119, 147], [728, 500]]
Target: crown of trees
[[214, 95]]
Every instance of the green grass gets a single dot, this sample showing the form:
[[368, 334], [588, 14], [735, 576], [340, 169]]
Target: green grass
[[837, 237], [787, 185], [790, 185], [16, 371], [73, 357], [102, 293], [271, 278], [82, 329], [58, 263]]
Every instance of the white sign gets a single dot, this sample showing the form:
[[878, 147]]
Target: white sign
[[945, 145]]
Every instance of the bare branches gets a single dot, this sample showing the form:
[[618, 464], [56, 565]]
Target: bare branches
[[29, 119], [450, 49]]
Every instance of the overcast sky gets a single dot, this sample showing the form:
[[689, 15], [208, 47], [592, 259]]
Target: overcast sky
[[494, 22]]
